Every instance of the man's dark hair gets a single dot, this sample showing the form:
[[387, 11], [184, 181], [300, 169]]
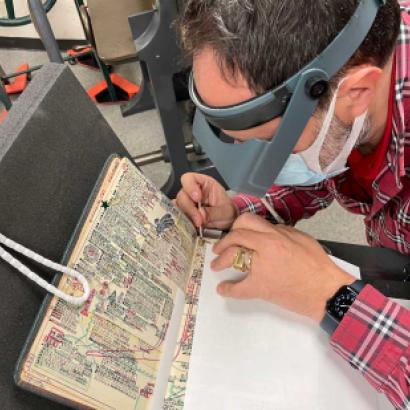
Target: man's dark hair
[[268, 41]]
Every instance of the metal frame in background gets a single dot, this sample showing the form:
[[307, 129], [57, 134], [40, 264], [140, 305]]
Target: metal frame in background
[[161, 59], [4, 98], [6, 77], [43, 28], [38, 15], [104, 68], [12, 21]]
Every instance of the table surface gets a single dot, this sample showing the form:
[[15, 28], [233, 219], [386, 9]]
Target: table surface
[[20, 301]]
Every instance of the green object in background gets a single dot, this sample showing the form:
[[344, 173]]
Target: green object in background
[[4, 98], [106, 74], [10, 9], [79, 3], [12, 21]]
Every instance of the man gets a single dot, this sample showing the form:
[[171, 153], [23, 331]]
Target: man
[[354, 148]]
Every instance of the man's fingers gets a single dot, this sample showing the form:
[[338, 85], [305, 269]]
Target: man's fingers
[[224, 260], [251, 222], [192, 184], [185, 203], [239, 238], [256, 223], [236, 290], [218, 216]]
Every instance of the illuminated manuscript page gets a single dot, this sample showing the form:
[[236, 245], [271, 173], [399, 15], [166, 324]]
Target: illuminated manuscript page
[[136, 251]]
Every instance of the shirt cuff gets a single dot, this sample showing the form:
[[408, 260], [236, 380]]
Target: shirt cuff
[[371, 336], [247, 203]]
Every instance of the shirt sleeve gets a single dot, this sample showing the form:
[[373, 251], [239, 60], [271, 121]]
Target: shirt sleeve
[[290, 204], [374, 338]]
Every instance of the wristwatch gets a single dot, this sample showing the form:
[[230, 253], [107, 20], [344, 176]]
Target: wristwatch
[[338, 305]]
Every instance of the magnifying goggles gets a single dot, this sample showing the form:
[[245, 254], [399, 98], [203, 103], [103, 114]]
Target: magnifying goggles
[[253, 166]]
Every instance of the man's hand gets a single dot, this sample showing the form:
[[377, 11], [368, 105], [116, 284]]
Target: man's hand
[[289, 268], [217, 211]]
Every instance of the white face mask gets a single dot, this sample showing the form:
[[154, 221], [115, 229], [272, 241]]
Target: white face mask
[[304, 167]]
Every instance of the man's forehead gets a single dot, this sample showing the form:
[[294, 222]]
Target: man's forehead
[[217, 88]]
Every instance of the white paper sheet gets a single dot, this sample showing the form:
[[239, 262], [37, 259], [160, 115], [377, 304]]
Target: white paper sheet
[[252, 355]]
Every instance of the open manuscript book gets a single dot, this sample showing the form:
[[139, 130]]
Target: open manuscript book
[[140, 341]]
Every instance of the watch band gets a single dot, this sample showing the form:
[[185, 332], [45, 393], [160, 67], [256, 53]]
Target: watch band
[[330, 322]]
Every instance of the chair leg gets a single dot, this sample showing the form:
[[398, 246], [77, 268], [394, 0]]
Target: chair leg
[[143, 101], [106, 74], [4, 98], [165, 99]]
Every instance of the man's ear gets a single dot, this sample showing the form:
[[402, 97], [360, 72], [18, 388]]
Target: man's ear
[[359, 89]]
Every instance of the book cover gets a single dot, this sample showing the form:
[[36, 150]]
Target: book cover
[[128, 346]]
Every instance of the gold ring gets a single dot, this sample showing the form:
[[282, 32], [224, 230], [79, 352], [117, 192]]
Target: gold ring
[[243, 260]]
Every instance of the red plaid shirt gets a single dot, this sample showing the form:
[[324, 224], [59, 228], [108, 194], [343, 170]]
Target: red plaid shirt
[[374, 335]]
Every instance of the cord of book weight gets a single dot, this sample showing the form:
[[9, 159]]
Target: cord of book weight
[[6, 256]]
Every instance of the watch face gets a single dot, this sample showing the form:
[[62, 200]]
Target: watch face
[[341, 303]]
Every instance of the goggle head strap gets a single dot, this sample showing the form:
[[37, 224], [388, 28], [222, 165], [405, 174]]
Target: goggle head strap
[[252, 166], [274, 103]]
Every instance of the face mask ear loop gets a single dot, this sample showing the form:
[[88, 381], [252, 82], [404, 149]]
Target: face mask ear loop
[[311, 155], [340, 161], [45, 262]]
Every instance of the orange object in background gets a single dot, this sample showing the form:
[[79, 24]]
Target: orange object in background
[[19, 83], [124, 90], [3, 115]]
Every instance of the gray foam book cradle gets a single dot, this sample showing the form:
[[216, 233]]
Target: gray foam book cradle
[[53, 146]]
